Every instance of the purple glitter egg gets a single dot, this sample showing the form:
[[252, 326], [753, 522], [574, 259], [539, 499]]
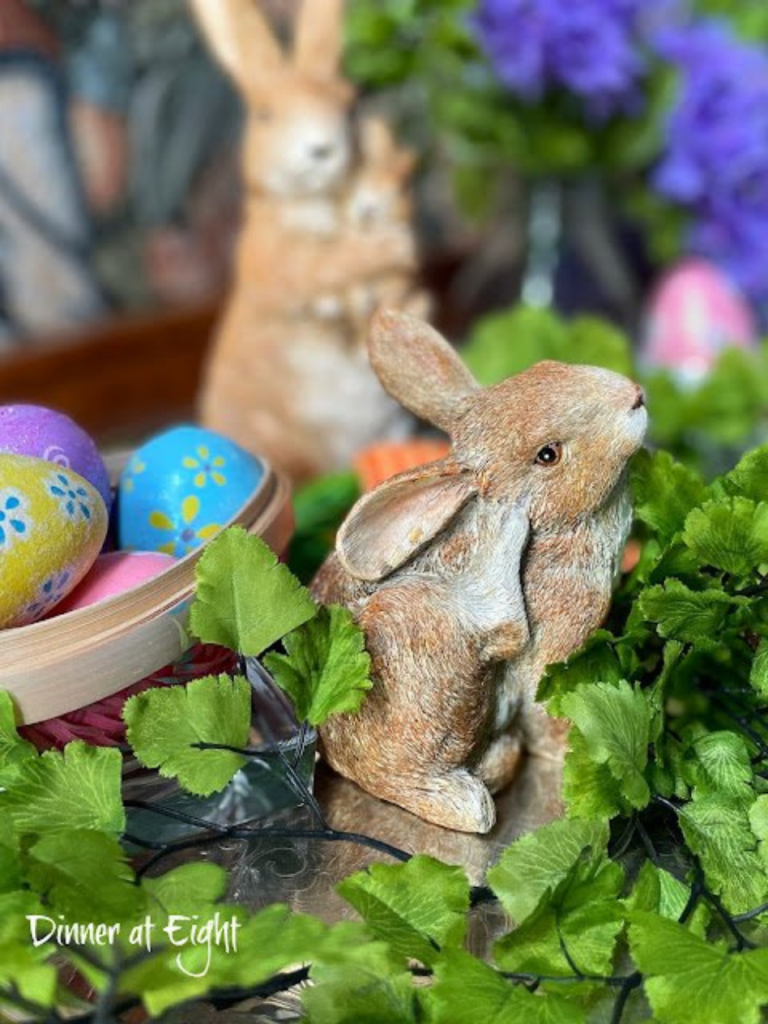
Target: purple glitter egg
[[44, 434]]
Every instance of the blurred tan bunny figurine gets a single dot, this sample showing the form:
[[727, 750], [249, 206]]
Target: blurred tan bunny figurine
[[380, 197], [469, 575], [280, 380]]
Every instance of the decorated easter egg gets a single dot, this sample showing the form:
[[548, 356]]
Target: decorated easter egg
[[695, 312], [52, 526], [45, 434], [113, 574], [179, 489]]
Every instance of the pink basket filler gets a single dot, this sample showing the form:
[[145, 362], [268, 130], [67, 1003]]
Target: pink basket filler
[[102, 725]]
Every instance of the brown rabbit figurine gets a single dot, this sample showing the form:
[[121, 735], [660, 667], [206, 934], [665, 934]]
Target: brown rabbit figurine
[[471, 574], [293, 385]]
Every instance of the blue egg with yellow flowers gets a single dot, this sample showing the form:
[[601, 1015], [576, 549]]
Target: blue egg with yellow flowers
[[180, 488]]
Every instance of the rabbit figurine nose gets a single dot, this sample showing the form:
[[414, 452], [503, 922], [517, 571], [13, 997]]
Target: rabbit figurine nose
[[321, 151], [639, 397]]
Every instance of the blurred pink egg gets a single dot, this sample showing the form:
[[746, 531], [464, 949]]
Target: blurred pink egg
[[113, 574], [694, 313]]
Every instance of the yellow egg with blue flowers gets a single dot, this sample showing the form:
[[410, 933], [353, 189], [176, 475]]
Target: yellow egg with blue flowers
[[52, 528]]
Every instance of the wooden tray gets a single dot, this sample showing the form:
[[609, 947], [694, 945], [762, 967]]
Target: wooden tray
[[67, 662]]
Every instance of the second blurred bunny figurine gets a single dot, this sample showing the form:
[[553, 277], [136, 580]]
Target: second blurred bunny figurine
[[471, 574], [285, 377], [379, 198]]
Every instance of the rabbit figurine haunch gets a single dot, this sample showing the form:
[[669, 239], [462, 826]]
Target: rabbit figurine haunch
[[471, 574]]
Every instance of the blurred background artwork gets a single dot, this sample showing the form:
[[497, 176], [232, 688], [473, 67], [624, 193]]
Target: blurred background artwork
[[118, 182], [605, 160]]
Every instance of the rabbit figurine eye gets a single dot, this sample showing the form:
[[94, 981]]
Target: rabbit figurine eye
[[550, 454]]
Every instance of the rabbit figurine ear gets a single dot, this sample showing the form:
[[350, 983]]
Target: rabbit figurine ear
[[320, 37], [377, 141], [419, 368], [380, 148], [393, 523], [240, 38]]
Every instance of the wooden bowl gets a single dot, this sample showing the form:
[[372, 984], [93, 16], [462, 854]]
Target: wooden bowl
[[64, 663]]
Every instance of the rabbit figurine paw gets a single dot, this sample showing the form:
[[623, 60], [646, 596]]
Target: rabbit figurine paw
[[470, 575]]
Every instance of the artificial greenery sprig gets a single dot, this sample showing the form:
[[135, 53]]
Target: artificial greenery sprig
[[648, 901]]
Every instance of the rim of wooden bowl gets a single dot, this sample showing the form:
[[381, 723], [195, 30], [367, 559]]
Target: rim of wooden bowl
[[64, 663]]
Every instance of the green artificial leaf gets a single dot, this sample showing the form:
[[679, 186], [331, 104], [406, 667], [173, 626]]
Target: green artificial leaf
[[668, 409], [758, 816], [267, 943], [34, 981], [758, 676], [503, 344], [589, 789], [678, 561], [22, 966], [730, 401], [183, 897], [83, 875], [596, 342], [615, 723], [532, 868], [319, 508], [11, 873], [672, 770], [748, 478], [466, 991], [78, 788], [717, 829], [14, 751], [363, 995], [673, 657], [731, 535], [595, 662], [589, 933], [584, 916], [326, 670], [691, 616], [164, 724], [758, 820], [180, 968], [723, 766], [187, 888], [658, 891], [246, 600], [689, 979], [664, 492], [418, 907], [351, 944]]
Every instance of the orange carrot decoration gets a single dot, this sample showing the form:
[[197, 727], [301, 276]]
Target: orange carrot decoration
[[378, 462]]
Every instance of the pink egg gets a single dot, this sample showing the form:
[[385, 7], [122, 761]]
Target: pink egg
[[694, 313], [113, 574]]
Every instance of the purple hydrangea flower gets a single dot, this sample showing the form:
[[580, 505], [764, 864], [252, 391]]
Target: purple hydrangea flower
[[593, 48], [716, 158]]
